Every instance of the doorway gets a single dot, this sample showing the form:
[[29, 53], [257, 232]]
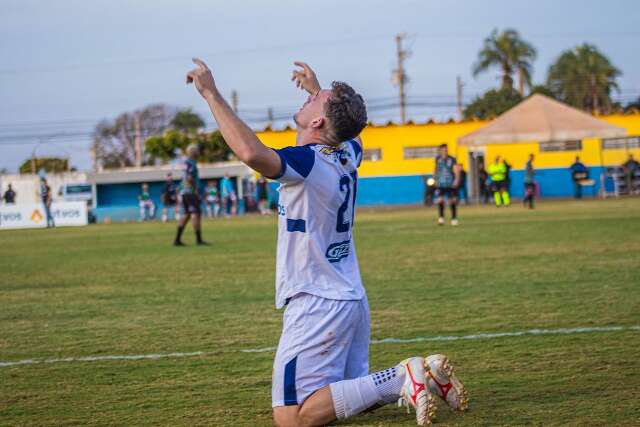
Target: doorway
[[476, 159]]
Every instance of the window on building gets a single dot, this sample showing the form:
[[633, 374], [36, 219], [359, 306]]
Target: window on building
[[372, 154], [561, 146], [621, 143], [424, 152]]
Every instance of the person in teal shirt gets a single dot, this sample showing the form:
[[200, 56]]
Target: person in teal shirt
[[228, 194]]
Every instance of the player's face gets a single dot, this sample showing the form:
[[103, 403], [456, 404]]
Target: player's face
[[443, 151], [312, 109]]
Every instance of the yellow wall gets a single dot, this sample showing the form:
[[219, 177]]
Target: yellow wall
[[392, 139]]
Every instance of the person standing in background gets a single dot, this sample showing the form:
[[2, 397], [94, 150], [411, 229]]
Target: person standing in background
[[169, 199], [9, 196], [462, 188], [45, 195], [212, 201], [263, 195], [579, 173], [447, 176], [483, 184], [631, 167], [529, 183], [190, 193], [498, 172], [229, 197]]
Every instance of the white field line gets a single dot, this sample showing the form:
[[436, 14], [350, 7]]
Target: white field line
[[480, 336]]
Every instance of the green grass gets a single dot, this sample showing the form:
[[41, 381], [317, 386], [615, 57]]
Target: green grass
[[122, 289]]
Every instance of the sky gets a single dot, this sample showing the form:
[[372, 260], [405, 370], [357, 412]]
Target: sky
[[66, 64]]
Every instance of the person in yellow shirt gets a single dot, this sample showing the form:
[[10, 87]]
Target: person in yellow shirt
[[498, 173]]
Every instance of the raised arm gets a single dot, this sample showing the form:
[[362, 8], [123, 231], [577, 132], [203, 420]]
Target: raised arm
[[240, 138]]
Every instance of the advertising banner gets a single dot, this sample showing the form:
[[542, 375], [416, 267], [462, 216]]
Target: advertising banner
[[33, 215]]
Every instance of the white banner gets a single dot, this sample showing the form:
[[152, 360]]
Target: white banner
[[33, 216]]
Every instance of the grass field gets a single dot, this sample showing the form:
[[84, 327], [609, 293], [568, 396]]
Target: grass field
[[123, 290]]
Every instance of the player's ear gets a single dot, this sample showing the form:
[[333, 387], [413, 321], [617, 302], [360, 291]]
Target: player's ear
[[317, 123]]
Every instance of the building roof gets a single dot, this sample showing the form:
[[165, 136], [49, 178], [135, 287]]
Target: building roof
[[159, 173], [540, 118]]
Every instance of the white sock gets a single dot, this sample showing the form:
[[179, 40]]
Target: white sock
[[350, 397]]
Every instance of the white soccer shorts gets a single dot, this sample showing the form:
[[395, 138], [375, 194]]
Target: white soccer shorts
[[323, 341]]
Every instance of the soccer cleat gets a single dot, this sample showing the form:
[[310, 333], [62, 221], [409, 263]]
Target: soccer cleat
[[443, 381], [441, 221], [454, 222], [415, 391]]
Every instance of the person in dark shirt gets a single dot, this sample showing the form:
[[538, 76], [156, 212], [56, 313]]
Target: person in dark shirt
[[462, 187], [579, 173], [9, 196], [169, 198], [191, 201], [262, 188], [447, 177], [483, 185], [529, 183], [45, 195], [631, 167]]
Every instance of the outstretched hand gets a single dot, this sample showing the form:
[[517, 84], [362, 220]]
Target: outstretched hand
[[203, 79], [306, 78]]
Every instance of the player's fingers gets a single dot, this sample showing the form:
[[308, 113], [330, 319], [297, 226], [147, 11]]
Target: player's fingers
[[190, 76], [199, 62], [303, 65]]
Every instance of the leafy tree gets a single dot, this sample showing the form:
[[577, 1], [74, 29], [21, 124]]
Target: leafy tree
[[213, 147], [542, 90], [187, 121], [492, 103], [584, 78], [509, 52], [49, 164], [114, 142], [633, 106]]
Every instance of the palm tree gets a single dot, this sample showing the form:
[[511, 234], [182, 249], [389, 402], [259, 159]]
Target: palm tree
[[509, 52], [585, 78]]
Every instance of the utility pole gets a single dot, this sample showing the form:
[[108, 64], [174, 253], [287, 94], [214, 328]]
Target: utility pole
[[270, 116], [138, 139], [234, 101], [459, 86], [400, 76]]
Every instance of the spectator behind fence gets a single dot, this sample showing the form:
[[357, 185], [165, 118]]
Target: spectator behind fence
[[146, 204], [9, 196], [579, 173], [631, 167]]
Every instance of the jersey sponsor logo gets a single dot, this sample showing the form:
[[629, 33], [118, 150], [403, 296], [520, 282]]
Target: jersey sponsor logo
[[282, 211], [337, 251]]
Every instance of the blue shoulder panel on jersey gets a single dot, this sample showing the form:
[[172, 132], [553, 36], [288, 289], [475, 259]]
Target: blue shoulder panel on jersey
[[300, 159], [357, 149]]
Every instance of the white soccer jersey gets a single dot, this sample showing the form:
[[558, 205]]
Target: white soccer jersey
[[316, 253]]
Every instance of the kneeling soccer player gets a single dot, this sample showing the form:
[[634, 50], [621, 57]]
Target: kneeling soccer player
[[321, 369]]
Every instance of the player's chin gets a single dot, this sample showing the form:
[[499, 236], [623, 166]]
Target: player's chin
[[295, 119]]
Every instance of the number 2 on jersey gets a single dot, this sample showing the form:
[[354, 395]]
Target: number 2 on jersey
[[346, 184]]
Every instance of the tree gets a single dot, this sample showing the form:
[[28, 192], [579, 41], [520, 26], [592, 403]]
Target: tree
[[584, 78], [213, 147], [633, 106], [511, 54], [492, 104], [48, 164], [187, 121], [114, 142], [542, 90]]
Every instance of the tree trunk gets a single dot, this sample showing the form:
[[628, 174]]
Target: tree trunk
[[521, 82]]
